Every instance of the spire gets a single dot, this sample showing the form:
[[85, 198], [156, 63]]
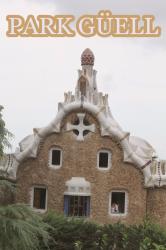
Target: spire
[[87, 57], [86, 85], [86, 88]]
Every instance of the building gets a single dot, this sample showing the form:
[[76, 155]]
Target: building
[[83, 164]]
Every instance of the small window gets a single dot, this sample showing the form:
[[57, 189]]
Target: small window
[[39, 198], [104, 159], [78, 206], [118, 203], [55, 158]]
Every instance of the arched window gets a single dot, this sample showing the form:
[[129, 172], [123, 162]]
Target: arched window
[[55, 157], [104, 159]]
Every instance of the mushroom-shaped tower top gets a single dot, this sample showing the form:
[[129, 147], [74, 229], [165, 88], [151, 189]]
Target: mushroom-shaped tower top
[[87, 57]]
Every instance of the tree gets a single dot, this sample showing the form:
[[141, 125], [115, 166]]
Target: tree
[[5, 135], [20, 227]]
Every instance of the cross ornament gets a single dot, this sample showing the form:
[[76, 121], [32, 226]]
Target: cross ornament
[[81, 127]]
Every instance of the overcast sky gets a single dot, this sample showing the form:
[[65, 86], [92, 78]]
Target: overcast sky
[[35, 72]]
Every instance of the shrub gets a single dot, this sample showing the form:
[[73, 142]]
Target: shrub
[[77, 234], [70, 233]]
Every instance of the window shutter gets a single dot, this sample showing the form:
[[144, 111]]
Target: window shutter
[[66, 205], [88, 207]]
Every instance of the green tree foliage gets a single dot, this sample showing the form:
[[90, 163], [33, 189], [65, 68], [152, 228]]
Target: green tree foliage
[[72, 233], [5, 135], [21, 228], [77, 234]]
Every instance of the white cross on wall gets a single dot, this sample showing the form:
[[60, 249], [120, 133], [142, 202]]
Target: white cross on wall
[[81, 127]]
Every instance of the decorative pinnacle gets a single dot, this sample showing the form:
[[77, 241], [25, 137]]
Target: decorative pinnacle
[[87, 57]]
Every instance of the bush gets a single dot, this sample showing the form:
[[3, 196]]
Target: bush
[[22, 229], [69, 233], [77, 234]]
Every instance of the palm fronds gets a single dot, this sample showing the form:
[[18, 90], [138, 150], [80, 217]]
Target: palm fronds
[[21, 228]]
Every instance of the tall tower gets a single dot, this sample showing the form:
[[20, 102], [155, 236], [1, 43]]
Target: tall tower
[[86, 84]]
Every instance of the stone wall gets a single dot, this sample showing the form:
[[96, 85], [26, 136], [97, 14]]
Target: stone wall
[[80, 160], [7, 193], [156, 205]]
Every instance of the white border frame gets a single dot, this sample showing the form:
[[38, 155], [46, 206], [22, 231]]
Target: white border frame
[[50, 158], [32, 198], [109, 159], [126, 203]]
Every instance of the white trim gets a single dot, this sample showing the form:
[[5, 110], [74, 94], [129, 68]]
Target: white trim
[[50, 158], [125, 206], [109, 159], [78, 186], [32, 198], [77, 194]]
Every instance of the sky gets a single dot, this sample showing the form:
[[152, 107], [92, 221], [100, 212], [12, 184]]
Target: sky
[[35, 72]]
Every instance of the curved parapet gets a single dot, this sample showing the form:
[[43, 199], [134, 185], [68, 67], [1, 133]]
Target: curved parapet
[[136, 151]]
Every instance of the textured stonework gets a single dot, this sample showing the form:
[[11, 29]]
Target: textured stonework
[[80, 160], [6, 195], [156, 205]]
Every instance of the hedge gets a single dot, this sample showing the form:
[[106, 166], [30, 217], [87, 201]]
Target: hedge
[[77, 234]]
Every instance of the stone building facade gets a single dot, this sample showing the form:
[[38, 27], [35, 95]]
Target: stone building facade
[[83, 164]]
